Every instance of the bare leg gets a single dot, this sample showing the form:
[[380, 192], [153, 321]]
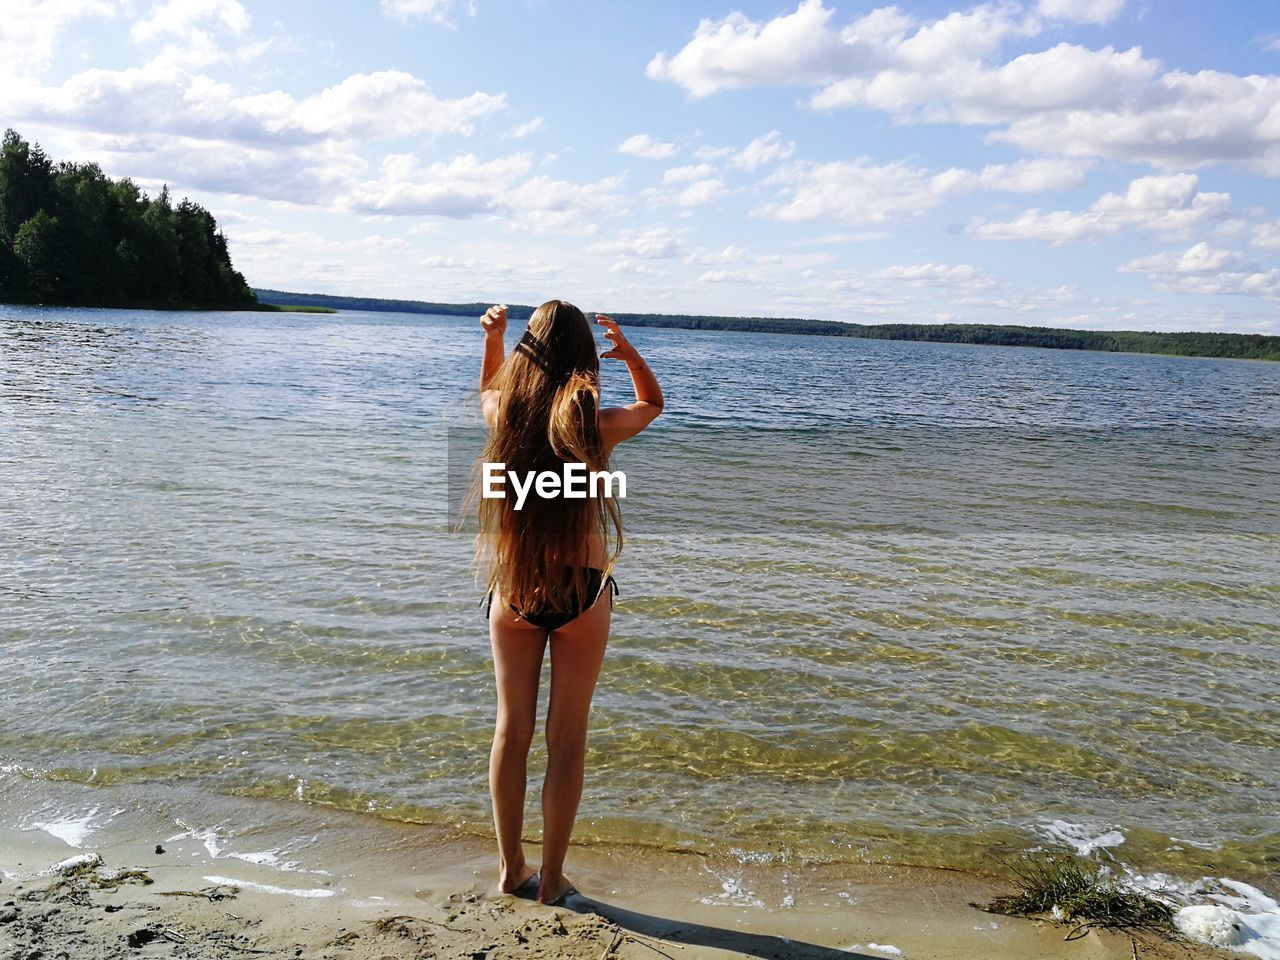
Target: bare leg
[[517, 666], [577, 650]]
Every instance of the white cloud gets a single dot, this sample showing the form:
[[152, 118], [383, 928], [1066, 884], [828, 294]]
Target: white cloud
[[1023, 301], [699, 192], [1166, 204], [859, 192], [1182, 119], [1081, 11], [390, 103], [524, 129], [1066, 100], [855, 236], [642, 145], [729, 254], [961, 275], [161, 98], [1199, 259], [453, 263], [853, 192], [1056, 227], [543, 204], [694, 171], [468, 186], [1267, 236], [1026, 176], [737, 52], [712, 153], [461, 188], [313, 174], [728, 276], [406, 10], [179, 18], [1064, 77], [653, 244], [766, 149], [28, 37], [199, 49], [1206, 270], [633, 266]]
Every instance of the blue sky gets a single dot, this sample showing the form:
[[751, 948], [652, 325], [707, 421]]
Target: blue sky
[[1104, 164]]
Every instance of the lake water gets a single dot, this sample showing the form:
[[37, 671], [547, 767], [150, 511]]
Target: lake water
[[916, 602]]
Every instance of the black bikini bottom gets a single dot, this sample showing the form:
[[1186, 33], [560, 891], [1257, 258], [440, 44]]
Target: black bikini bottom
[[550, 619]]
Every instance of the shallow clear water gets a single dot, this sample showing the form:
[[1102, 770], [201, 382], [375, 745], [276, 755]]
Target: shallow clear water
[[879, 599]]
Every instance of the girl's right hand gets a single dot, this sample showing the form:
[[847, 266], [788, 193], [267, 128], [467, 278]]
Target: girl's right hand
[[494, 320]]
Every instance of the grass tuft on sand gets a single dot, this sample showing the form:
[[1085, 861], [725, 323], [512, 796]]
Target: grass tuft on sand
[[1071, 889]]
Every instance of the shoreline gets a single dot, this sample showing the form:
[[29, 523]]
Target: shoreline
[[1003, 334], [273, 879]]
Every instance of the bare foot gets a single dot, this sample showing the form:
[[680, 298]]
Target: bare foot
[[511, 882], [552, 890]]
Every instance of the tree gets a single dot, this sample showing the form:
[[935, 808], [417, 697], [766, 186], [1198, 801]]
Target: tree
[[26, 183], [37, 248], [71, 235]]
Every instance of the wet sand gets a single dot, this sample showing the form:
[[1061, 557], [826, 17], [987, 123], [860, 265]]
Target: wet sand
[[250, 878]]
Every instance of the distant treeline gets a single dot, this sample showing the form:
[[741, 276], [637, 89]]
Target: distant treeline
[[1242, 346], [71, 236]]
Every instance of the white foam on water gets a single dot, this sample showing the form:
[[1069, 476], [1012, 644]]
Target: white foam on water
[[1080, 837], [268, 888], [733, 893], [1247, 920], [1210, 924], [216, 844], [73, 831], [1160, 884], [744, 856], [206, 835], [270, 858], [1203, 845]]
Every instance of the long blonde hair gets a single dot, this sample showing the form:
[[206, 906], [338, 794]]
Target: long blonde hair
[[549, 390]]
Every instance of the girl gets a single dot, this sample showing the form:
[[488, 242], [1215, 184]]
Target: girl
[[548, 564]]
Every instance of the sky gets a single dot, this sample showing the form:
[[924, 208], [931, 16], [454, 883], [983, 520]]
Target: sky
[[1100, 164]]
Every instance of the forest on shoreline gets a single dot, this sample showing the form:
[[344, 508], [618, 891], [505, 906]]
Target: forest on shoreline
[[1237, 346], [71, 236]]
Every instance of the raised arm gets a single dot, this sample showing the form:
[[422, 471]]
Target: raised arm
[[494, 323], [619, 423]]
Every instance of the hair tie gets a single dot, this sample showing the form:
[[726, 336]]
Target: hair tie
[[536, 352]]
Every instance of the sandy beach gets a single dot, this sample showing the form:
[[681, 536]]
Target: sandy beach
[[180, 874]]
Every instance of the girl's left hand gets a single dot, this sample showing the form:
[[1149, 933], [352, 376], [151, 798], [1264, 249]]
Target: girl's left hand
[[622, 348]]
